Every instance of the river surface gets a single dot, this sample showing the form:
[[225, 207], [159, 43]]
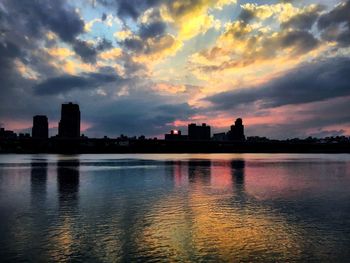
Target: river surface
[[175, 208]]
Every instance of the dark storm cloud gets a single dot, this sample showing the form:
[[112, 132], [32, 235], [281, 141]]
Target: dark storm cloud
[[335, 25], [130, 8], [85, 50], [135, 8], [9, 76], [133, 44], [66, 83], [301, 41], [246, 15], [23, 26], [88, 51], [331, 113], [32, 18], [152, 30], [179, 111], [132, 116], [8, 52], [339, 14], [305, 20], [315, 81]]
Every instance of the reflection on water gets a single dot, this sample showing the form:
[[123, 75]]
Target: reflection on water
[[68, 182], [214, 222], [38, 180], [182, 209]]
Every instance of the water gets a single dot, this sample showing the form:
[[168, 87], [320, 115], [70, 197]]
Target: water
[[175, 208]]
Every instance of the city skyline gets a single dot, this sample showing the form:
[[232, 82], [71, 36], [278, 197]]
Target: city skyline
[[70, 123], [147, 67]]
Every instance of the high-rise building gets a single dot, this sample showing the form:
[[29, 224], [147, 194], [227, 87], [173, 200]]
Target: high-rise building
[[40, 128], [197, 132], [237, 131], [69, 125]]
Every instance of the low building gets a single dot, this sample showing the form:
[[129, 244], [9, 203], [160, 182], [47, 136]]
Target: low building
[[175, 135], [6, 134], [219, 136]]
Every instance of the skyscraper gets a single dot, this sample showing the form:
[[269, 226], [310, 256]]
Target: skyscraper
[[237, 131], [40, 128], [69, 125], [197, 132]]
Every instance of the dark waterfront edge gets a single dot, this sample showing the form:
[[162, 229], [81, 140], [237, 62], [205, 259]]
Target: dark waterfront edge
[[106, 145]]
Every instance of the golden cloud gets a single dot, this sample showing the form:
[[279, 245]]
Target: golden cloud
[[25, 70], [60, 52], [123, 34], [169, 88], [157, 49], [111, 54], [191, 18]]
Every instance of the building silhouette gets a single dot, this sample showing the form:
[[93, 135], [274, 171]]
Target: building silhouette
[[7, 134], [175, 135], [219, 136], [40, 128], [197, 132], [237, 131], [69, 125]]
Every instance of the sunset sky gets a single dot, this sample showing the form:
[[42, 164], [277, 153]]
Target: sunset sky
[[148, 66]]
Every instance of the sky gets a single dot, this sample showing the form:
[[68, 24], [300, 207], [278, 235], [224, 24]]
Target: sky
[[148, 66]]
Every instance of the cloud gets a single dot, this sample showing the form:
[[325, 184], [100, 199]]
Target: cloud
[[151, 49], [153, 29], [150, 42], [66, 83], [301, 41], [314, 81], [280, 11], [323, 118], [169, 54], [131, 116], [88, 51], [33, 18], [335, 25], [305, 19], [242, 45], [26, 28]]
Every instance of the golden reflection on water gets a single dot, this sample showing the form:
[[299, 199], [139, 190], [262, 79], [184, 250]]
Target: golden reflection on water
[[214, 220], [185, 210]]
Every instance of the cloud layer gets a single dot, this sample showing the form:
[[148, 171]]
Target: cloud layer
[[147, 66]]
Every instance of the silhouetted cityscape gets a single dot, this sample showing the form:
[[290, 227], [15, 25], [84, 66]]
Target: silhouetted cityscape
[[69, 125], [198, 139]]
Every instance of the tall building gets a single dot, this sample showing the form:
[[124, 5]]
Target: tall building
[[197, 132], [69, 125], [40, 128], [237, 131]]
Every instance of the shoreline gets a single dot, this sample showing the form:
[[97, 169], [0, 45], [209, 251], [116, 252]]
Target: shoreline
[[110, 146]]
